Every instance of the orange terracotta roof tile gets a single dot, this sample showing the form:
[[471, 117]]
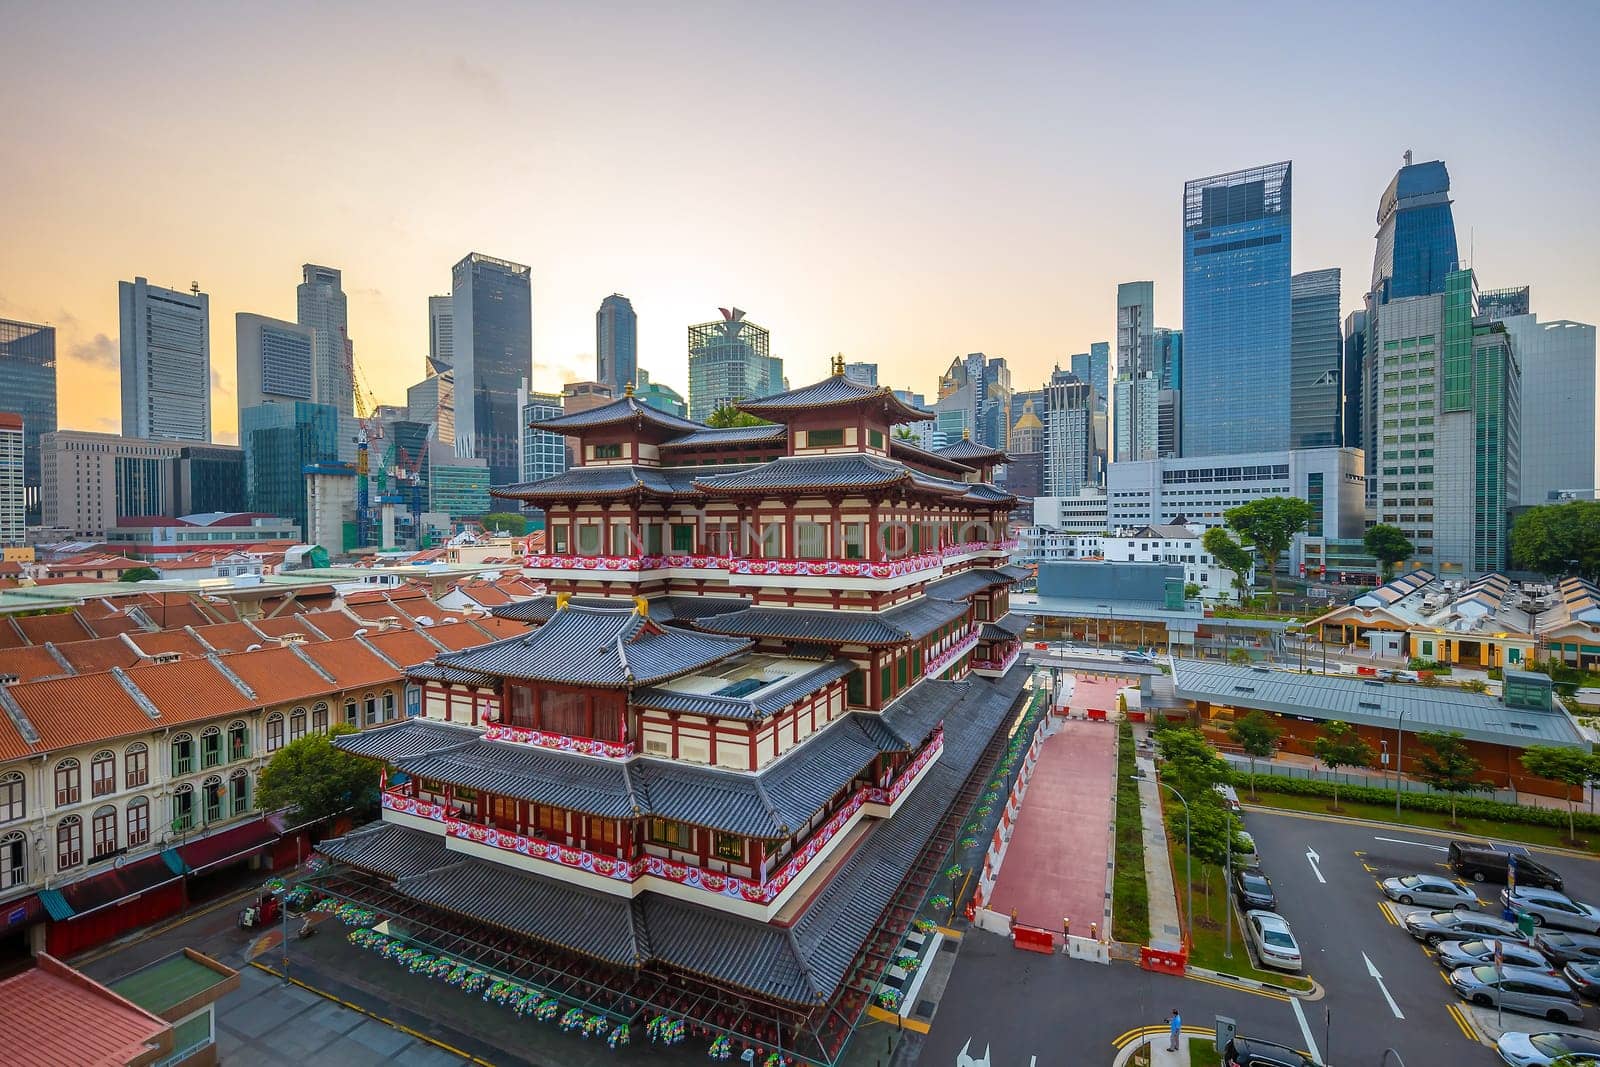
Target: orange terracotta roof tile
[[162, 642], [399, 593], [58, 628], [408, 648], [30, 663], [483, 593], [10, 636], [277, 676], [69, 1020], [110, 625], [284, 625], [499, 628], [100, 654], [229, 636], [80, 710], [174, 614], [335, 624], [458, 635], [377, 611], [12, 745], [189, 690], [352, 664]]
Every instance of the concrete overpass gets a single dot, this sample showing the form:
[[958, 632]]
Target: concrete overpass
[[1086, 660]]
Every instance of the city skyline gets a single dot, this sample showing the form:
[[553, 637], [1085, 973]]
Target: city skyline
[[881, 271]]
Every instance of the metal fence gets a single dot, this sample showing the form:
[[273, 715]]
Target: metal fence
[[1378, 780]]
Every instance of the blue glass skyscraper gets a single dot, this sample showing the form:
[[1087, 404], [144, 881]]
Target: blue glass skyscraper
[[1236, 380], [1416, 234]]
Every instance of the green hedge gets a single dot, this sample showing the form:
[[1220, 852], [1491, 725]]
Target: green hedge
[[1467, 805]]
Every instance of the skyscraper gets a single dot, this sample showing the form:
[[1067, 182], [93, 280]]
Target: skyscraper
[[1094, 367], [1559, 443], [13, 484], [730, 360], [866, 373], [1168, 347], [320, 304], [1136, 415], [1133, 405], [1416, 233], [441, 333], [166, 361], [28, 367], [1136, 303], [1068, 435], [277, 360], [1236, 380], [660, 396], [1353, 379], [279, 441], [1504, 303], [982, 386], [616, 344], [492, 318], [1316, 357], [544, 454]]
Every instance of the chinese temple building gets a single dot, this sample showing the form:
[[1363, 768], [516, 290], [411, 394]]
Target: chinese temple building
[[717, 778]]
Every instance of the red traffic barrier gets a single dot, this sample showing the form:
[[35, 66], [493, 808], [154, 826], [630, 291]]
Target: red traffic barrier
[[1032, 939], [1162, 961], [1097, 715], [1136, 716]]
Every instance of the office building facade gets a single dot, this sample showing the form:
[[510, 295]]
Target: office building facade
[[1136, 417], [1236, 374], [730, 360], [90, 480], [166, 361], [321, 305], [1167, 345], [1094, 367], [1416, 247], [279, 441], [1169, 424], [441, 333], [616, 343], [459, 489], [1068, 435], [492, 309], [277, 360], [1134, 360], [1559, 444], [659, 396], [1316, 358], [1353, 379], [13, 480], [28, 367], [544, 454], [865, 373]]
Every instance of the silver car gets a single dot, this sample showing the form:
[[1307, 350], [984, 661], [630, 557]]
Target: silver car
[[1549, 908], [1518, 989], [1436, 926], [1274, 941], [1433, 890], [1543, 1050], [1453, 954]]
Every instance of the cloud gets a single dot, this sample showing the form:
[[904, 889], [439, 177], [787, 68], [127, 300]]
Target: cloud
[[480, 80], [216, 383], [101, 353]]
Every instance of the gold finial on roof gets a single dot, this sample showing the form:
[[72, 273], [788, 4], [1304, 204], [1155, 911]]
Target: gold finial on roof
[[641, 606], [561, 601], [966, 435], [627, 390], [838, 363]]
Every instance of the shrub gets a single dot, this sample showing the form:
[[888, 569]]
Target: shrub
[[1466, 807]]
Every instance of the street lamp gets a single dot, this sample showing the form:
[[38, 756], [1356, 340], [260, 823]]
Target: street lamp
[[1399, 759], [1099, 607], [1188, 858]]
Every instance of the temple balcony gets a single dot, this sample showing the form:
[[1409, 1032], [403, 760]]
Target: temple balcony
[[996, 658], [758, 898], [789, 572], [937, 663]]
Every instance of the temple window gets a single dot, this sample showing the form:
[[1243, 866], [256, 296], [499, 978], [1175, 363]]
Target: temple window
[[730, 847], [604, 832], [772, 540], [589, 539], [522, 706], [608, 451], [855, 540], [550, 822], [811, 540], [467, 800], [875, 438], [621, 540], [682, 537], [671, 834], [824, 438], [652, 539], [558, 539], [857, 683]]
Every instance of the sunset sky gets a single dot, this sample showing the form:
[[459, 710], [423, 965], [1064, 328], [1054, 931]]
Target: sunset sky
[[900, 182]]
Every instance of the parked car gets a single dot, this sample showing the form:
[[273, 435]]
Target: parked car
[[1244, 850], [1433, 927], [1274, 940], [1547, 907], [1488, 863], [1430, 889], [1543, 1050], [1453, 954], [1518, 989], [1253, 890], [1229, 795], [1559, 946], [1253, 1052], [1139, 657], [1584, 977]]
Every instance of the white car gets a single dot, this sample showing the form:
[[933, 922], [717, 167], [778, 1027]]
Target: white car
[[1274, 940], [1550, 908], [1542, 1050], [1434, 890]]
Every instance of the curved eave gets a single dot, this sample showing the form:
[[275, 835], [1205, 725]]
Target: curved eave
[[533, 495], [896, 411], [782, 490]]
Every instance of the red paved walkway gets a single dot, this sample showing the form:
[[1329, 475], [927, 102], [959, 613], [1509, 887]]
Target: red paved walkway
[[1056, 865], [1097, 693]]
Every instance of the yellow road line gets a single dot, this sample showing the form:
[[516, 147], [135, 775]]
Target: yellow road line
[[1383, 906], [1126, 1039], [949, 934], [1459, 1014], [1243, 989], [884, 1016], [390, 1023]]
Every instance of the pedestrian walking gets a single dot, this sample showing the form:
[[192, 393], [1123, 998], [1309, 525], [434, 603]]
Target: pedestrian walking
[[1174, 1025]]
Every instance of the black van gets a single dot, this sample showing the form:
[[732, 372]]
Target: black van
[[1488, 863]]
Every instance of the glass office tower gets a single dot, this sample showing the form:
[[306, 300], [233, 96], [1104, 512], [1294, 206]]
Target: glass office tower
[[1416, 233], [1316, 355], [28, 367], [1236, 376], [492, 342], [616, 344]]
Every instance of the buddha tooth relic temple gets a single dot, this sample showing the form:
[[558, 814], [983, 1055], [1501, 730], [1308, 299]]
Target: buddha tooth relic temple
[[714, 786]]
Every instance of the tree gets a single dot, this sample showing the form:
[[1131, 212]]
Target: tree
[[1239, 656], [728, 416], [505, 522], [1559, 538], [1388, 545], [1229, 554], [1569, 766], [905, 433], [1449, 767], [1269, 524], [316, 779], [1257, 735], [1339, 746], [139, 574], [1191, 591], [1190, 763]]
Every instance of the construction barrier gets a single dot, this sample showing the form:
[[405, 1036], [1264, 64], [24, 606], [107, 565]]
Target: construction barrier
[[1088, 948], [1032, 939], [1164, 961], [1136, 716]]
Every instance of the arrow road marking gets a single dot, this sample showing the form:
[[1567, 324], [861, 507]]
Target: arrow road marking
[[1419, 844], [1372, 969], [1305, 1031], [1314, 859]]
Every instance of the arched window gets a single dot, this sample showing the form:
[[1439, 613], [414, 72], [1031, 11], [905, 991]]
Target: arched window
[[211, 746], [13, 860], [350, 713], [319, 718], [215, 796], [183, 808], [13, 797], [297, 724], [182, 754], [69, 843], [238, 741], [103, 773], [138, 822], [371, 702], [68, 783], [275, 731], [388, 705], [105, 831], [136, 765], [239, 793]]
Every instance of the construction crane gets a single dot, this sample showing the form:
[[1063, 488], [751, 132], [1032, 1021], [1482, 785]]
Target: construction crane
[[365, 407]]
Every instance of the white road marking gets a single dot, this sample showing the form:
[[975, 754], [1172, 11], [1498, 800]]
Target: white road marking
[[1372, 969], [1305, 1031], [1419, 844], [1313, 859]]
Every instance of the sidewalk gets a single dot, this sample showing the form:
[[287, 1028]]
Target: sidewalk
[[1165, 925]]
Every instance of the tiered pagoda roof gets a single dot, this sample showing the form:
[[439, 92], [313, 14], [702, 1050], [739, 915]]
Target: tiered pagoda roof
[[662, 609], [838, 390], [624, 411], [969, 451], [757, 706], [910, 621], [614, 480], [771, 433], [965, 583]]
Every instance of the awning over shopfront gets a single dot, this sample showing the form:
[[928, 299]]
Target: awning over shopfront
[[106, 888], [236, 843]]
